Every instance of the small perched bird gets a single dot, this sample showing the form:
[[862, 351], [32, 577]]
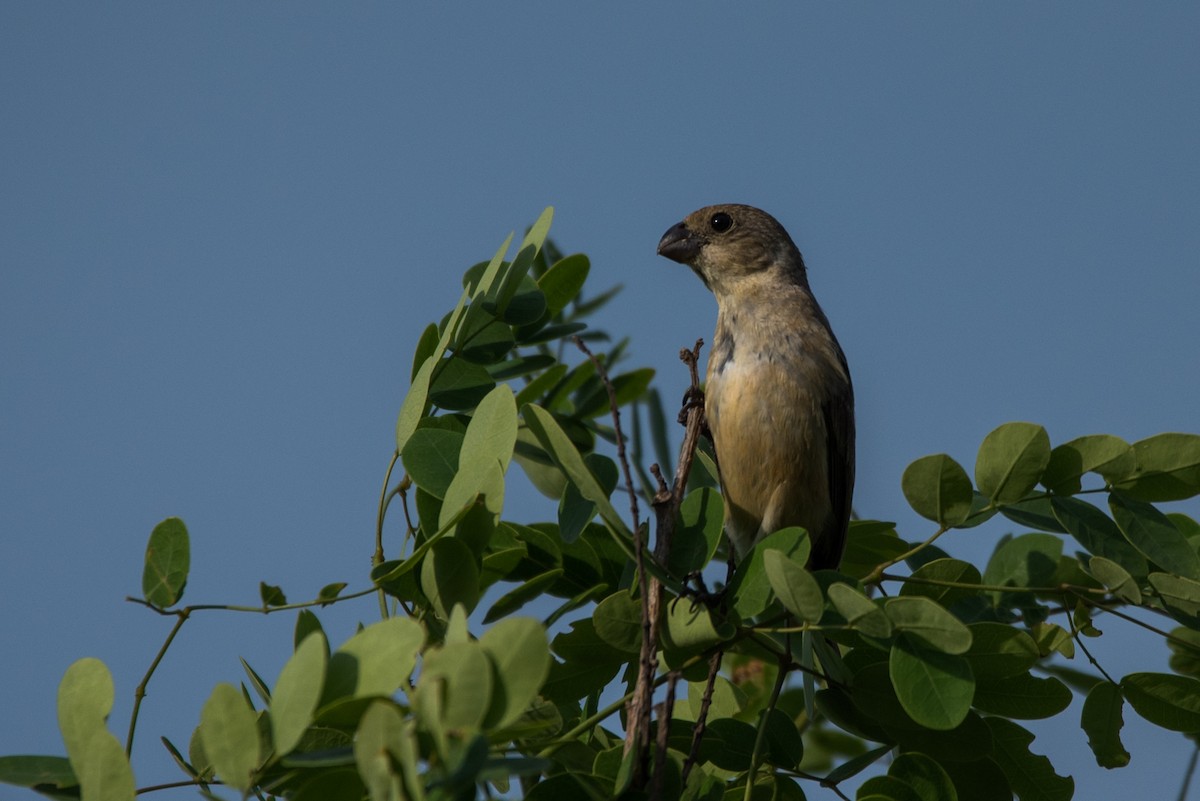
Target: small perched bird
[[778, 397]]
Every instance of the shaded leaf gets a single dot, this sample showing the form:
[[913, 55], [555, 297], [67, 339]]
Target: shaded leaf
[[922, 618], [521, 654], [953, 571], [1154, 536], [1172, 702], [1024, 697], [1168, 468], [1102, 721], [861, 612], [1096, 532], [1030, 775], [1110, 456], [450, 576], [999, 651], [935, 688]]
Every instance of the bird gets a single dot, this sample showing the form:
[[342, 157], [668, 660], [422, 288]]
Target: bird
[[778, 399]]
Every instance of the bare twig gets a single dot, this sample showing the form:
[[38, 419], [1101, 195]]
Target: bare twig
[[666, 506], [616, 416], [714, 665], [665, 712]]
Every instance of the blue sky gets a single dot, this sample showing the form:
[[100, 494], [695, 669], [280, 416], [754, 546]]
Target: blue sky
[[222, 228]]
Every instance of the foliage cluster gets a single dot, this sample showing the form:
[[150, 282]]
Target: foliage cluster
[[452, 694]]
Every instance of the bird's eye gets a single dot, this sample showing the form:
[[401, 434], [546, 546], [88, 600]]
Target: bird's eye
[[721, 222]]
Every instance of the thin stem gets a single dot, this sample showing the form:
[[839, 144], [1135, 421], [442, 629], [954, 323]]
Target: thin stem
[[384, 500], [1187, 774], [140, 692], [1075, 635], [262, 610], [876, 575], [761, 736]]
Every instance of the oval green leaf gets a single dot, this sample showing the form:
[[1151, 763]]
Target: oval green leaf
[[938, 489], [168, 559], [1011, 461]]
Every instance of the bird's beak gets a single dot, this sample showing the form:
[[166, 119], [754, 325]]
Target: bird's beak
[[678, 244]]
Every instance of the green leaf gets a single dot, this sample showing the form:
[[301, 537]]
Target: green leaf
[[782, 740], [1185, 651], [330, 592], [459, 384], [1024, 697], [886, 788], [574, 511], [979, 780], [567, 457], [1155, 536], [375, 661], [794, 586], [1102, 721], [105, 772], [376, 741], [521, 655], [1168, 468], [931, 623], [870, 543], [1035, 512], [306, 624], [690, 627], [426, 347], [455, 686], [1116, 578], [855, 766], [861, 613], [431, 458], [1030, 560], [999, 651], [925, 776], [1110, 456], [271, 595], [943, 570], [416, 401], [1172, 702], [1011, 461], [562, 282], [450, 576], [626, 387], [750, 589], [935, 688], [484, 340], [618, 621], [1096, 532], [522, 594], [938, 489], [1180, 596], [1030, 775], [168, 559], [697, 532], [521, 366], [85, 698], [728, 744], [229, 730], [297, 692], [48, 773]]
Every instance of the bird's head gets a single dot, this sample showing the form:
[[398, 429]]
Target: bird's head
[[728, 243]]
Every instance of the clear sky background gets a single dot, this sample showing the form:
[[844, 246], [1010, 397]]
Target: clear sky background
[[222, 227]]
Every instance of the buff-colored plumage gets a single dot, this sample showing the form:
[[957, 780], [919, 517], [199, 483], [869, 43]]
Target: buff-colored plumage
[[778, 397]]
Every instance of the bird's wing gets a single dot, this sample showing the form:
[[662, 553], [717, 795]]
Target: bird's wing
[[839, 451]]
